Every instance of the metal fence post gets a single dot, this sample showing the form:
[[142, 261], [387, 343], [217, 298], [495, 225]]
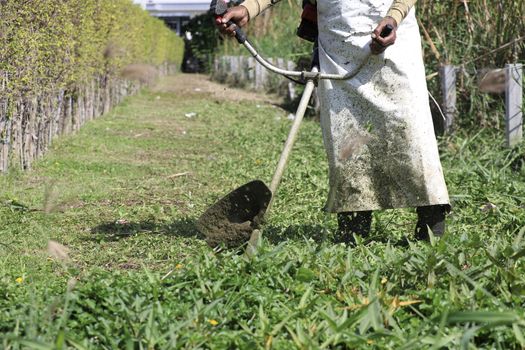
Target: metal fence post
[[447, 74], [251, 72], [259, 83], [513, 104]]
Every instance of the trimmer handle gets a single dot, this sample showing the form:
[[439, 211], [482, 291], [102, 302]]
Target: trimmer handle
[[386, 31], [219, 8], [240, 35]]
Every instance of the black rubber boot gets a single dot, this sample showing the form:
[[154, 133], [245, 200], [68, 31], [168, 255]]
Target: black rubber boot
[[353, 222], [431, 217]]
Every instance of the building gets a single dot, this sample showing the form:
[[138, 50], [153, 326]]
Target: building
[[175, 13]]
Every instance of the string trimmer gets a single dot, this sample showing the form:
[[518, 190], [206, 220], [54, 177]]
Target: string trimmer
[[236, 218]]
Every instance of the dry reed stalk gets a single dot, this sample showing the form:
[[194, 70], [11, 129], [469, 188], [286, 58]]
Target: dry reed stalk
[[429, 40], [442, 42], [470, 25]]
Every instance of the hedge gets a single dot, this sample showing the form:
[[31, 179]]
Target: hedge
[[61, 64]]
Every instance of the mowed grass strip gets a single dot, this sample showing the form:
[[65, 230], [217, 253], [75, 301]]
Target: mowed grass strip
[[129, 269]]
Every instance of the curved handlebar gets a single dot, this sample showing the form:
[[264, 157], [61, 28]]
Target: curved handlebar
[[219, 8], [315, 75]]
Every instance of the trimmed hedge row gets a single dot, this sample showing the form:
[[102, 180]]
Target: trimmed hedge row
[[61, 64]]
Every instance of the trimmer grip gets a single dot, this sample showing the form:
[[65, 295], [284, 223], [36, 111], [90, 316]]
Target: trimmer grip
[[219, 8], [387, 30], [240, 35]]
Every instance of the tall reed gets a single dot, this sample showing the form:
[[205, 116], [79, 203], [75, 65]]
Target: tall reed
[[473, 35], [459, 32]]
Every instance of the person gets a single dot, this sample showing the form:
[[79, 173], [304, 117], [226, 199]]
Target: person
[[377, 126]]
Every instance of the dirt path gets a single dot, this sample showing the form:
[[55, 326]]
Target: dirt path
[[198, 84]]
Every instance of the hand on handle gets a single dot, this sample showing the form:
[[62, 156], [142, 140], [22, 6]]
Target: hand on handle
[[230, 22], [384, 35]]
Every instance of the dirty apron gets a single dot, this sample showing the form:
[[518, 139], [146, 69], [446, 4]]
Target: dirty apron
[[377, 127]]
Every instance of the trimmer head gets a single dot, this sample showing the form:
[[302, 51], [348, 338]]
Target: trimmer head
[[232, 219]]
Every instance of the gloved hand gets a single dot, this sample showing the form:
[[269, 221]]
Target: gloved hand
[[379, 43], [237, 14]]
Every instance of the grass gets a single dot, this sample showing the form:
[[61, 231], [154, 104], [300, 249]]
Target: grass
[[121, 198]]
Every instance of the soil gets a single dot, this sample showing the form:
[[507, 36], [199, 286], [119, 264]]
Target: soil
[[198, 84]]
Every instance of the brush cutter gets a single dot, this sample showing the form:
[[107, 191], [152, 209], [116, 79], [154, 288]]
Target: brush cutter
[[236, 218]]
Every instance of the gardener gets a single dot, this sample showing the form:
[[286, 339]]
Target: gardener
[[377, 127]]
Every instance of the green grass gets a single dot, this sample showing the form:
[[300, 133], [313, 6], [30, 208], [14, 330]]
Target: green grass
[[138, 276]]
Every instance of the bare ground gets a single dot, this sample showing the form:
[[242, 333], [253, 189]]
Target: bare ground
[[199, 84]]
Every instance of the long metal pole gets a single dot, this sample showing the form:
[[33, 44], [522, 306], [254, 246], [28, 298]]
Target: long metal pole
[[304, 74], [292, 136]]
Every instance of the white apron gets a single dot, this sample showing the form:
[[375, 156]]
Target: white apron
[[377, 127]]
